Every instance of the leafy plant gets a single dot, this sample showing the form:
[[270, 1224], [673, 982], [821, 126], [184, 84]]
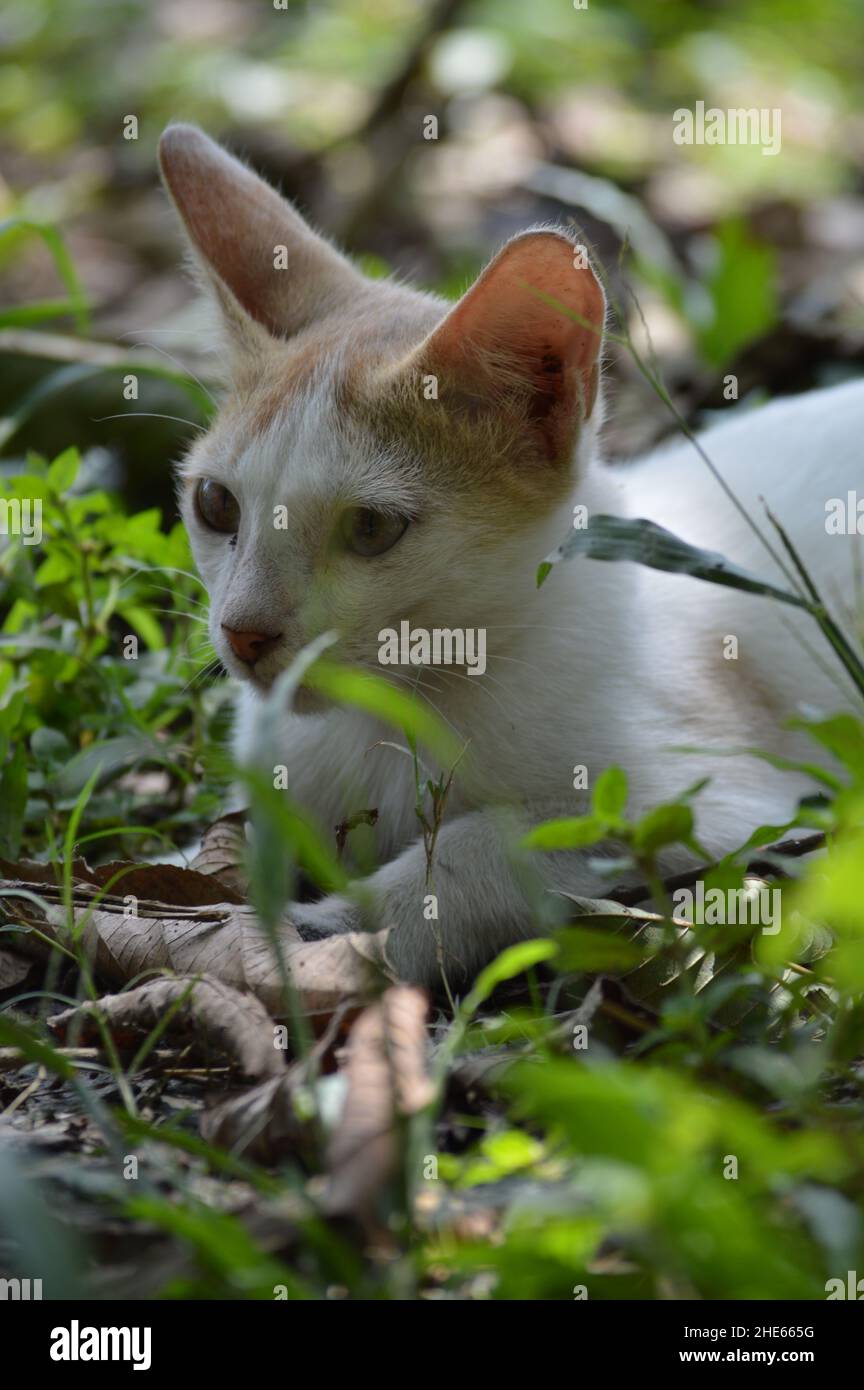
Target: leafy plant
[[102, 645]]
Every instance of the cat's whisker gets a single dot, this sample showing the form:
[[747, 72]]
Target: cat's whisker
[[164, 589], [175, 569], [179, 613], [414, 685], [482, 683], [199, 642], [202, 676], [149, 415], [164, 569], [446, 671], [133, 332], [185, 370], [517, 660], [528, 627]]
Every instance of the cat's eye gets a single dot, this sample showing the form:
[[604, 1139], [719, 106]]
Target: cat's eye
[[368, 532], [217, 507]]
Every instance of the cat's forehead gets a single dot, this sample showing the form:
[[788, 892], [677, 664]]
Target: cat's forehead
[[304, 428]]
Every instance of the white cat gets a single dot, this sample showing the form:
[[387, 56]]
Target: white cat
[[399, 505]]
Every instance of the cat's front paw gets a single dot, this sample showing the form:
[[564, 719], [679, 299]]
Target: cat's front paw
[[333, 916]]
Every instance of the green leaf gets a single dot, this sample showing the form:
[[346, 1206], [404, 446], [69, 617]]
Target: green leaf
[[64, 470], [15, 1034], [13, 802], [38, 311], [570, 832], [665, 825], [56, 569], [610, 795], [843, 736], [221, 1244], [514, 961], [62, 260], [49, 745], [584, 948], [646, 543], [105, 759], [372, 693], [742, 292], [144, 623]]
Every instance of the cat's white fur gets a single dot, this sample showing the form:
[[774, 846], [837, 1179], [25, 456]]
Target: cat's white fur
[[606, 663]]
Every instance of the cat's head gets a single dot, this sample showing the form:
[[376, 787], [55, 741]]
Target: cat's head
[[378, 455]]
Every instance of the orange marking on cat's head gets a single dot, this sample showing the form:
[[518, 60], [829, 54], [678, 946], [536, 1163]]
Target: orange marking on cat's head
[[514, 362]]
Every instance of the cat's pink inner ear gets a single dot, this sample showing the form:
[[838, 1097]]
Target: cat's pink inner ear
[[534, 318], [250, 240]]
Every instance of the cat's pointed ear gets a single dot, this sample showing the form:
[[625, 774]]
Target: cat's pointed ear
[[269, 270], [530, 328]]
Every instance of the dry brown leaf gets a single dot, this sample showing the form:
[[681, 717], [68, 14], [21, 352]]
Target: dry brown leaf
[[222, 853], [264, 1123], [236, 1024], [14, 970], [387, 1079], [155, 883], [212, 936]]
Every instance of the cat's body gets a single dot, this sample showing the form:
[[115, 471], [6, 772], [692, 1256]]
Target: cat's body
[[606, 663]]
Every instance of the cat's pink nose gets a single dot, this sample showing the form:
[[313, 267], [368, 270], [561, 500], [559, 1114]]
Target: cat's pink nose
[[250, 646]]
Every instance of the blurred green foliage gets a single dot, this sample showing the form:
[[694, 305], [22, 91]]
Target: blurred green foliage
[[102, 645], [74, 71]]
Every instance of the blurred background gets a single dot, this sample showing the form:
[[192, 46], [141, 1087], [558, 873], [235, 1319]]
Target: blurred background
[[420, 134]]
